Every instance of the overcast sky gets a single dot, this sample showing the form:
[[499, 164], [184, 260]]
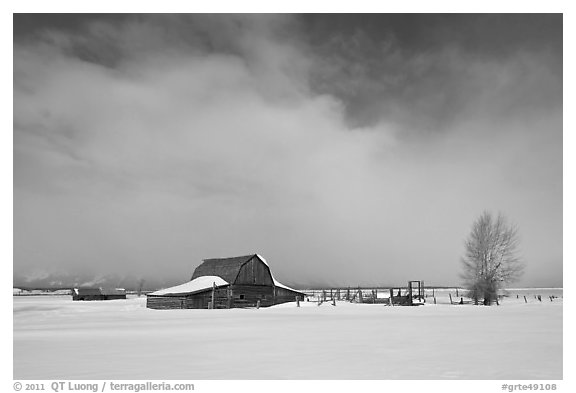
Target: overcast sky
[[346, 149]]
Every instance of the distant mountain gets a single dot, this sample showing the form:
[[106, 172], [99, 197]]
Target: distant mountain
[[66, 280], [60, 280]]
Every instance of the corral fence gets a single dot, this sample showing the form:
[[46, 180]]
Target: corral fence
[[432, 295]]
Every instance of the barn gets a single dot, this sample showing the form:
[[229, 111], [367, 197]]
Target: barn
[[98, 293], [113, 293], [231, 282]]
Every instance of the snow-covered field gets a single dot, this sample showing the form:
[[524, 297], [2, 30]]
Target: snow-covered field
[[56, 338]]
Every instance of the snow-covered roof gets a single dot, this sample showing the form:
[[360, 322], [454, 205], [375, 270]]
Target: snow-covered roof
[[276, 282], [99, 291], [197, 285], [87, 291], [113, 291]]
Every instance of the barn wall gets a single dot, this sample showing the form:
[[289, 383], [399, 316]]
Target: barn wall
[[88, 297], [235, 296], [164, 302], [98, 297], [197, 301], [284, 295], [248, 295], [254, 272], [114, 297]]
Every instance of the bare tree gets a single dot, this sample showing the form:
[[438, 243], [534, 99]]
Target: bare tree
[[491, 257], [140, 287]]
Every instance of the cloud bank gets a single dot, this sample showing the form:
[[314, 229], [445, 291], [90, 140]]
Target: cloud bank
[[144, 144]]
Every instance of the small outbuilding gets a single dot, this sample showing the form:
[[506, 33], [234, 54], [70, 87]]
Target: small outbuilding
[[235, 282], [98, 293]]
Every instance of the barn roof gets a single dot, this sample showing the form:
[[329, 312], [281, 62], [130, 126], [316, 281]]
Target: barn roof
[[276, 282], [113, 291], [196, 285], [226, 268], [87, 291]]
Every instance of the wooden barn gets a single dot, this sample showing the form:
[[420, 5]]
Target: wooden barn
[[98, 293], [113, 293], [230, 283]]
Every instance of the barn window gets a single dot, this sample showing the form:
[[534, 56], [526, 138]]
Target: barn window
[[241, 297]]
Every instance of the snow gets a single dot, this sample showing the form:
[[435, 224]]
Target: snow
[[56, 338], [43, 292], [196, 285]]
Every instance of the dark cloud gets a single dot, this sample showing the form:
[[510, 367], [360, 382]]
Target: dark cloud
[[423, 70], [345, 149], [481, 35]]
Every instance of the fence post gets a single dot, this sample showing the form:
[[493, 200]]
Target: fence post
[[434, 300], [297, 301], [525, 300], [258, 304]]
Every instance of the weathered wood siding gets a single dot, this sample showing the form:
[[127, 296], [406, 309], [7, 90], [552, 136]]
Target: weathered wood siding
[[235, 296], [198, 300], [248, 295], [88, 297], [254, 272], [164, 302], [284, 295], [114, 297]]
